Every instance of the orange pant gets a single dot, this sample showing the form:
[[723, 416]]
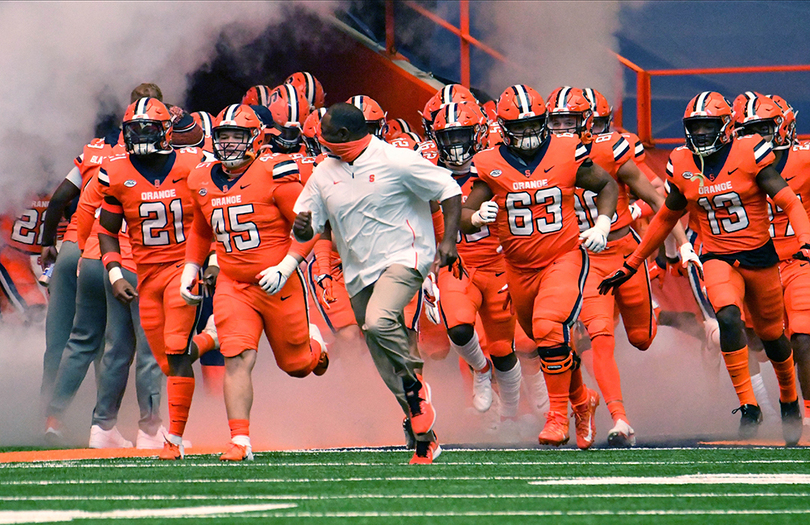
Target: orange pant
[[795, 276], [243, 310], [547, 301], [165, 317], [480, 293], [338, 314], [18, 280], [634, 298], [758, 288]]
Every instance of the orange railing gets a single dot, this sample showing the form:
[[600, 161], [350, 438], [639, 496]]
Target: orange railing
[[643, 77]]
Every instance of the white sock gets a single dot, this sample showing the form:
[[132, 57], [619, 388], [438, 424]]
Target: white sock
[[509, 389], [761, 393], [537, 390], [471, 353], [177, 440], [241, 440]]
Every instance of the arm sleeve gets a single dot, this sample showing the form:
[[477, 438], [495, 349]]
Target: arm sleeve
[[198, 245], [75, 177], [438, 225], [323, 256], [657, 232], [89, 203], [786, 199]]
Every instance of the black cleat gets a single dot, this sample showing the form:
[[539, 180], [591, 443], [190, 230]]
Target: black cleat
[[791, 423], [750, 419]]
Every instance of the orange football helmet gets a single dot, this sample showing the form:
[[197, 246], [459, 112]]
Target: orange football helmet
[[414, 136], [446, 95], [289, 108], [205, 120], [311, 131], [708, 123], [786, 134], [490, 109], [238, 134], [569, 112], [461, 132], [147, 127], [257, 96], [756, 113], [602, 111], [395, 127], [307, 84], [375, 116], [522, 117]]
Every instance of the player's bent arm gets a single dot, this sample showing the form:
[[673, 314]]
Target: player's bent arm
[[198, 244], [592, 177], [642, 188], [661, 225], [89, 202], [479, 194], [64, 193], [770, 181]]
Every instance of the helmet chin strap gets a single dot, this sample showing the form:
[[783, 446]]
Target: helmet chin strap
[[463, 169]]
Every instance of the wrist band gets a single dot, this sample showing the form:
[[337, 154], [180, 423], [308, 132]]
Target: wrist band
[[116, 274]]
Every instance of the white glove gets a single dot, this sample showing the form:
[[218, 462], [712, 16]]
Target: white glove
[[595, 239], [688, 256], [635, 211], [485, 214], [187, 281], [273, 279], [430, 294]]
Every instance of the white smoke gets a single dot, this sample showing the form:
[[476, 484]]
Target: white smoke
[[64, 61], [552, 44]]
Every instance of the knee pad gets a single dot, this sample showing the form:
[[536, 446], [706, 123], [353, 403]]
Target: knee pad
[[641, 339], [730, 319], [299, 373], [599, 327], [504, 363], [557, 359], [542, 329], [801, 347], [461, 334]]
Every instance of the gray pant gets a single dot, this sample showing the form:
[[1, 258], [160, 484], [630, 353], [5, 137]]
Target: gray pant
[[378, 309], [61, 310], [86, 343], [126, 341]]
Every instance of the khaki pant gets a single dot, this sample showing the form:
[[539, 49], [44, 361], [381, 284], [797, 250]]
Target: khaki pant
[[378, 309]]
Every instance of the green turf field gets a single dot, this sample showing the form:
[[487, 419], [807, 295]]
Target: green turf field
[[703, 485]]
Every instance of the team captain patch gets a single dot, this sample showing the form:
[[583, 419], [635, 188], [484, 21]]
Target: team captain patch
[[495, 173], [203, 192], [130, 183], [688, 175]]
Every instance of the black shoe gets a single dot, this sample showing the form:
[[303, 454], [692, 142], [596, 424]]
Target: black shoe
[[750, 419], [410, 438], [791, 422]]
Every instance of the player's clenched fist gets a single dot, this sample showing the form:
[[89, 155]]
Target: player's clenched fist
[[485, 215], [302, 226], [273, 279]]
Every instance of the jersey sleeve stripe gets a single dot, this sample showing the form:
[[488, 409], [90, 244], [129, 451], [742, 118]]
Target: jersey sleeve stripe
[[639, 149], [620, 148], [282, 169], [762, 150], [581, 152], [103, 178], [670, 169]]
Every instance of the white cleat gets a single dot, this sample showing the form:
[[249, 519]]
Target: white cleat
[[621, 435], [100, 438], [482, 390], [145, 441]]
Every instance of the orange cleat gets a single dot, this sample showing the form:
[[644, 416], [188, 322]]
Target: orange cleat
[[555, 432], [171, 451], [237, 453], [585, 422], [426, 452], [423, 416]]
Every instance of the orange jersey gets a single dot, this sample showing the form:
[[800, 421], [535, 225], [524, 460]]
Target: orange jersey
[[24, 231], [405, 142], [480, 249], [795, 169], [429, 150], [305, 165], [610, 151], [639, 154], [158, 208], [536, 222], [251, 216], [729, 206], [88, 163]]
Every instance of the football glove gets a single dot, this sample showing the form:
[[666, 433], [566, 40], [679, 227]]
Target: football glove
[[803, 254], [595, 239], [485, 215], [188, 282], [688, 256], [618, 278], [273, 279], [325, 283], [430, 293]]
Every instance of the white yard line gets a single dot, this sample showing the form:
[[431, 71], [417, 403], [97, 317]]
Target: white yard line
[[211, 511], [687, 479]]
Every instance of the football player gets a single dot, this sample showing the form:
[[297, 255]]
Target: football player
[[307, 84], [290, 110], [246, 202], [147, 187], [724, 183], [526, 187]]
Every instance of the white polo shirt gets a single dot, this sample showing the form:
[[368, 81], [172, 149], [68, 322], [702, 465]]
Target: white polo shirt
[[378, 209]]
